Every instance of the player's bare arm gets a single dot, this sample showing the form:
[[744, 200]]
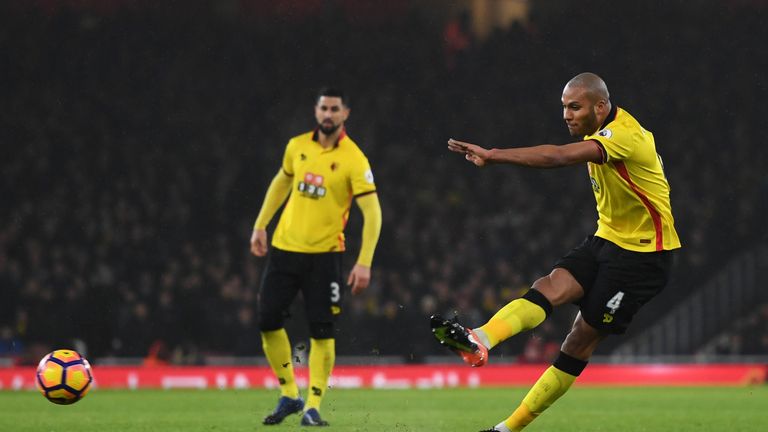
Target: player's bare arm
[[540, 156]]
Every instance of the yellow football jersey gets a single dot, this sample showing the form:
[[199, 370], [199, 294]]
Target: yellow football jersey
[[630, 187], [324, 183]]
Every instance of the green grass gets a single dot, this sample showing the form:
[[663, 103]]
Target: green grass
[[451, 410]]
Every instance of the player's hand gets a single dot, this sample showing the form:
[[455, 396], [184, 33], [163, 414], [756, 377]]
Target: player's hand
[[259, 242], [359, 278], [472, 152]]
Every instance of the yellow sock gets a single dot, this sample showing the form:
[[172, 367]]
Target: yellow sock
[[518, 315], [552, 384], [322, 355], [277, 349]]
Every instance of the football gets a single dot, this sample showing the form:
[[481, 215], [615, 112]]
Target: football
[[64, 377]]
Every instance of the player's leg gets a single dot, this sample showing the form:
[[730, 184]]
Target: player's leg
[[563, 285], [531, 309], [279, 287], [572, 278], [558, 378], [322, 297], [525, 313], [322, 357], [625, 281]]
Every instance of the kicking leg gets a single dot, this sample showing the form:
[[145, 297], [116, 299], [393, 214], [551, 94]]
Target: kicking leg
[[531, 309], [521, 314]]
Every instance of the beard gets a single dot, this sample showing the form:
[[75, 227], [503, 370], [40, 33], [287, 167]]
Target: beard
[[587, 126], [591, 124], [328, 128]]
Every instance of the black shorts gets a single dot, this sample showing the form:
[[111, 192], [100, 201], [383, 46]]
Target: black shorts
[[317, 276], [616, 281]]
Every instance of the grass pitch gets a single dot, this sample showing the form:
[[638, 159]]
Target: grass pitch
[[451, 410]]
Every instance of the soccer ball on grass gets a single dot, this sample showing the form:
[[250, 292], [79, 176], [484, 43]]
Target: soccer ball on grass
[[64, 377]]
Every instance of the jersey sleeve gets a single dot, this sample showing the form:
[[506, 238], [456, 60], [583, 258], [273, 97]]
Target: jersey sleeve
[[617, 143], [288, 158], [361, 177]]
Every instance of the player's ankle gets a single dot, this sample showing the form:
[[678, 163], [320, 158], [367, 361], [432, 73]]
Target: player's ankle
[[482, 337]]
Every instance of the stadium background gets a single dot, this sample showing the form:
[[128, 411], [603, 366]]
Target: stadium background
[[137, 141]]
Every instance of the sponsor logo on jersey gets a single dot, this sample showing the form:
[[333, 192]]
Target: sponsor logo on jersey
[[312, 186]]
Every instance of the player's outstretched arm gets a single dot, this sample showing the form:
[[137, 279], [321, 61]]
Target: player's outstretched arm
[[472, 152], [540, 156]]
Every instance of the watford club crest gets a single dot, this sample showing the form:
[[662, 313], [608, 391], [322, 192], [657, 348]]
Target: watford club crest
[[312, 186]]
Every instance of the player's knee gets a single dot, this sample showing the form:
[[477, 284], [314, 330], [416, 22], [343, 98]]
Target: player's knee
[[559, 287], [321, 330], [270, 322]]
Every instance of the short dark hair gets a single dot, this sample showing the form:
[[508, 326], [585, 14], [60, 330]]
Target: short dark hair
[[333, 92]]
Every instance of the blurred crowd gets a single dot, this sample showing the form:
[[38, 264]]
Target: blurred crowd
[[137, 146], [748, 335]]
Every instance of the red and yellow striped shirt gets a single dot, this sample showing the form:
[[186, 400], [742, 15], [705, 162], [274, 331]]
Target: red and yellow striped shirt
[[630, 187]]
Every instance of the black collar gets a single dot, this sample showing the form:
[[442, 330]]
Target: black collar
[[316, 136], [611, 116]]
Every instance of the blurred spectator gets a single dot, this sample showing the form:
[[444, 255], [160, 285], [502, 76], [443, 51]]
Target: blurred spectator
[[747, 336], [457, 37]]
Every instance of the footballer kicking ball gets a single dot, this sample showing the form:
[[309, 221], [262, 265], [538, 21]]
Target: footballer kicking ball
[[64, 377]]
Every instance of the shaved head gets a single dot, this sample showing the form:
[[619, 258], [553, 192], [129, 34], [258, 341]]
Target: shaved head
[[585, 104], [594, 86]]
